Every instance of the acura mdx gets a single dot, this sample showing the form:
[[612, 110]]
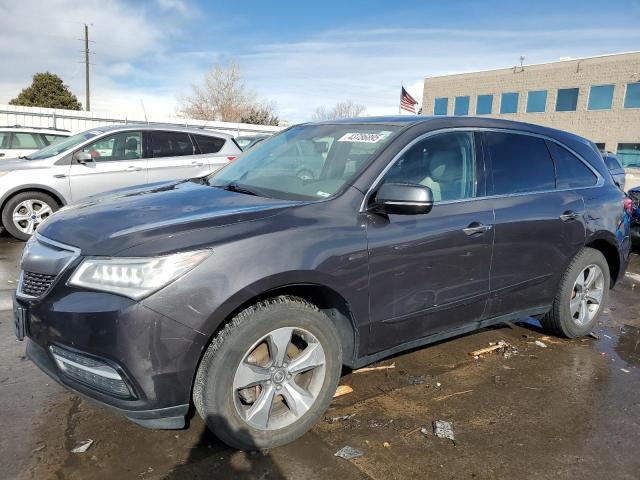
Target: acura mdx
[[246, 291]]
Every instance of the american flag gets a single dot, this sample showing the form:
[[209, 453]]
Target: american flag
[[407, 102]]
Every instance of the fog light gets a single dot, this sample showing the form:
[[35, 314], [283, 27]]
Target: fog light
[[93, 373]]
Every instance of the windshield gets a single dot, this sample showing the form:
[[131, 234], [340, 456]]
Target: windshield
[[66, 144], [307, 162]]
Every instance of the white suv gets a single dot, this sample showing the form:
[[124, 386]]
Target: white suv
[[103, 159], [19, 141]]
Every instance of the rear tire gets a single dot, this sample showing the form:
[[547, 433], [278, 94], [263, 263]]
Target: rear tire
[[581, 297], [23, 213], [245, 352]]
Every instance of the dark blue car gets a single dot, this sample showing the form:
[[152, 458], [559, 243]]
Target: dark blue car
[[244, 293]]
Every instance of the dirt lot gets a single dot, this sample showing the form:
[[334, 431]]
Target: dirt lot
[[569, 410]]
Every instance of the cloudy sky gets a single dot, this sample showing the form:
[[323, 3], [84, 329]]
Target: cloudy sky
[[298, 54]]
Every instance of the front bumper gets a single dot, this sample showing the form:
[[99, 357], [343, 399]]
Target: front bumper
[[160, 418], [155, 355]]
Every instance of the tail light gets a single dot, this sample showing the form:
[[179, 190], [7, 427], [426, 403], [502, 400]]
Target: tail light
[[628, 205], [231, 159]]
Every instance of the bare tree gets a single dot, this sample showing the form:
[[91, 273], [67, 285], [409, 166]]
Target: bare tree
[[224, 96], [345, 109]]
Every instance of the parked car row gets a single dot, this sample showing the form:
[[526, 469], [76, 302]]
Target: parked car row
[[102, 159], [634, 193], [17, 141], [244, 292]]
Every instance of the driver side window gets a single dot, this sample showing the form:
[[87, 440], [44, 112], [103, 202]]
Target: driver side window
[[446, 163], [121, 146]]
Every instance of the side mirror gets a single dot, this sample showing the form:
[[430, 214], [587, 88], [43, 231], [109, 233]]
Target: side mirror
[[403, 199], [83, 157]]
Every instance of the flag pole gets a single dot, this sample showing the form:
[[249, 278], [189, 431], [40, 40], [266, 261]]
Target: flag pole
[[400, 103]]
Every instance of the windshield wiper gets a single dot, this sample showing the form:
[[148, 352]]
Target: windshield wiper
[[234, 187], [24, 157]]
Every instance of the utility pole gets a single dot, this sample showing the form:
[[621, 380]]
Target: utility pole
[[86, 67]]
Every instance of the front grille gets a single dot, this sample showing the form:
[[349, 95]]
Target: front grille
[[36, 284]]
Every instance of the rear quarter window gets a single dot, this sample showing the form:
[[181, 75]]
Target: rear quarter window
[[570, 170], [208, 144], [612, 162]]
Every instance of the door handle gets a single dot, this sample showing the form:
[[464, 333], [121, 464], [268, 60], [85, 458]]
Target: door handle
[[132, 168], [569, 215], [476, 228], [1, 154], [197, 164]]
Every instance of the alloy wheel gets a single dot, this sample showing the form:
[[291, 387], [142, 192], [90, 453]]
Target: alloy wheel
[[279, 378], [27, 215], [587, 295]]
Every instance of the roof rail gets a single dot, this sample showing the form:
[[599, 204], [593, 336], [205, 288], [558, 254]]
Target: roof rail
[[35, 128]]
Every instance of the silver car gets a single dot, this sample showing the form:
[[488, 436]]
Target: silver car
[[19, 141], [103, 159]]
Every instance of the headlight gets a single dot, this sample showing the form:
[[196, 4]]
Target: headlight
[[2, 174], [134, 277]]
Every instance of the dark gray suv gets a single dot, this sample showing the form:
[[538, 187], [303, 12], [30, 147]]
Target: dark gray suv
[[245, 292]]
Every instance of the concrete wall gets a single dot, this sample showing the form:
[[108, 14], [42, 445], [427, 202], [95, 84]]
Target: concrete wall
[[618, 125], [78, 121]]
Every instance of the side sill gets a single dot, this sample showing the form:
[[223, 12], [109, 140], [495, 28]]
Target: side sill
[[470, 327]]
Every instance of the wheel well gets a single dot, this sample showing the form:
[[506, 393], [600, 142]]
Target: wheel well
[[611, 255], [53, 195], [328, 301]]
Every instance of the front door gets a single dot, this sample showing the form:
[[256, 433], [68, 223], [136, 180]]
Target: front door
[[429, 273], [116, 163]]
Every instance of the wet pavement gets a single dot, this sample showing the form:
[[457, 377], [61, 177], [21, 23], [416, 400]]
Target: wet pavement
[[570, 409]]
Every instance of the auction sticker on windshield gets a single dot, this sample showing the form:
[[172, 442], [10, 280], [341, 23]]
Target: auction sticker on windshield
[[362, 137]]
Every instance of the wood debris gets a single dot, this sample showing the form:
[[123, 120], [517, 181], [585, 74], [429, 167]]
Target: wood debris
[[373, 369]]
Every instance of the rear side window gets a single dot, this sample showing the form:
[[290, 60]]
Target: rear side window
[[520, 163], [171, 144], [208, 144], [570, 171], [27, 140]]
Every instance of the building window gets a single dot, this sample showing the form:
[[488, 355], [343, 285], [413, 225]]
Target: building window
[[629, 154], [567, 100], [632, 96], [484, 105], [509, 102], [461, 106], [600, 97], [536, 101], [440, 106]]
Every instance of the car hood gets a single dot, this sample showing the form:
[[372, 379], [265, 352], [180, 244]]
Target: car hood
[[113, 222], [11, 164]]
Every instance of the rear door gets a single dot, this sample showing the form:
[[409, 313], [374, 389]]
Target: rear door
[[538, 226], [174, 156], [117, 162]]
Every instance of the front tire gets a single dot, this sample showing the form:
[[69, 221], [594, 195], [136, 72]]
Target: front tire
[[581, 296], [23, 213], [269, 374]]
